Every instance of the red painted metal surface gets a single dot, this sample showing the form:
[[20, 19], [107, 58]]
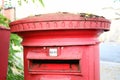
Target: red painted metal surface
[[57, 21], [61, 46], [4, 50]]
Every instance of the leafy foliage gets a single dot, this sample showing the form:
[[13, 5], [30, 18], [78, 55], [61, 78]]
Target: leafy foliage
[[15, 67], [4, 21], [41, 2]]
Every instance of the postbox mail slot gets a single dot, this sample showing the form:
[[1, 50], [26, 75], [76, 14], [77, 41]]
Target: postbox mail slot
[[54, 65]]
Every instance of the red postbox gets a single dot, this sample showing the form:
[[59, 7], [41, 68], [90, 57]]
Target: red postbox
[[61, 46], [4, 50]]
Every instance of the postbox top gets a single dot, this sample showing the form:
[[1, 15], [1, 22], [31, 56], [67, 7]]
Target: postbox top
[[61, 20]]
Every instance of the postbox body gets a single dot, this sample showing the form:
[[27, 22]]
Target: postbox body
[[65, 57], [60, 47], [4, 50]]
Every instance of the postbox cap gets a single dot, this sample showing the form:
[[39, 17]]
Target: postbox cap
[[61, 20]]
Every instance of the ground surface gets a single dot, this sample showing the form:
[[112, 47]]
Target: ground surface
[[110, 61]]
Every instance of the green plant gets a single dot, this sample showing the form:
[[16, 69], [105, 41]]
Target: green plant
[[15, 67], [8, 3], [4, 21], [20, 1]]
